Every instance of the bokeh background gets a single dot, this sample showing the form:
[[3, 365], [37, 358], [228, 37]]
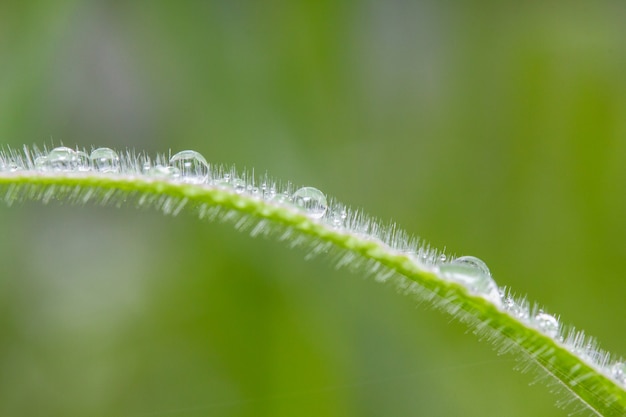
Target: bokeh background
[[497, 130]]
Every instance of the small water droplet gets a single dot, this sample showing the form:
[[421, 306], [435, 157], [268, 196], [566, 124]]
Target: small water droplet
[[83, 161], [239, 185], [474, 274], [518, 311], [63, 159], [442, 258], [312, 201], [338, 217], [281, 199], [618, 370], [13, 167], [41, 163], [192, 166], [269, 193], [146, 167], [160, 171], [105, 160], [547, 324]]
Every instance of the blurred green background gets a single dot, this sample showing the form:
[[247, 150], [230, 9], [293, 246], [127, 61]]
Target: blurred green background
[[497, 130]]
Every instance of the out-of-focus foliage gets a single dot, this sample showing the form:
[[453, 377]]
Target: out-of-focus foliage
[[497, 130]]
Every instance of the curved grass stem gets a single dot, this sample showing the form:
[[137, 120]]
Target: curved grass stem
[[585, 373]]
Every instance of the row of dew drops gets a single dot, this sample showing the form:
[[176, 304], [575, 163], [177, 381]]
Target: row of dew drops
[[191, 167], [187, 167]]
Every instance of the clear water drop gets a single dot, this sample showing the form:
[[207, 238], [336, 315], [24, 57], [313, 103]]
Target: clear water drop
[[105, 160], [63, 159], [442, 258], [160, 171], [518, 311], [239, 185], [474, 274], [12, 167], [618, 370], [192, 166], [83, 161], [41, 163], [281, 199], [146, 167], [269, 193], [312, 201], [546, 323], [338, 217]]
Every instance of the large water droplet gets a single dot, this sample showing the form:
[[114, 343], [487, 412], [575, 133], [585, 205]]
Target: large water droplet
[[312, 201], [193, 168], [105, 160], [474, 274], [63, 159], [546, 323]]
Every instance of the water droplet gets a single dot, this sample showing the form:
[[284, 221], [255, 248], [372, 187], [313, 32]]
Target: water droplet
[[83, 161], [160, 171], [618, 371], [105, 160], [312, 201], [519, 311], [256, 192], [474, 274], [192, 166], [547, 324], [281, 199], [63, 159], [146, 167], [442, 258], [41, 163], [269, 193], [338, 217], [239, 185], [12, 166]]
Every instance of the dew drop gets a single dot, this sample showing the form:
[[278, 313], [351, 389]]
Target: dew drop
[[160, 171], [12, 167], [63, 159], [105, 160], [192, 166], [41, 163], [519, 311], [312, 201], [83, 161], [547, 324], [474, 274], [338, 217], [618, 371], [281, 199], [239, 185], [442, 258]]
